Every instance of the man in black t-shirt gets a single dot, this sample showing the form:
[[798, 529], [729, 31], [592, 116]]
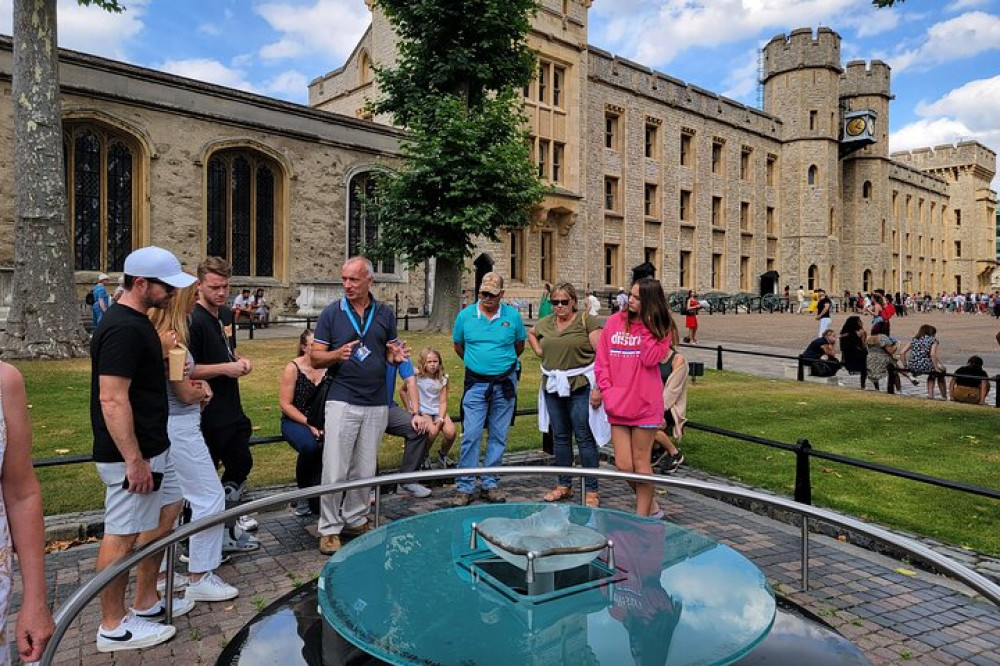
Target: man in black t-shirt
[[128, 413], [224, 425]]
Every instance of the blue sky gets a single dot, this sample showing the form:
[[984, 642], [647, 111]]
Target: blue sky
[[944, 54]]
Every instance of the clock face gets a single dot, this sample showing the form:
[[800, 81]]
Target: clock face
[[856, 126]]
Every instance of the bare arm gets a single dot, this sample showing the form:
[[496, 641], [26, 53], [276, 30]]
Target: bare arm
[[117, 411], [536, 346], [443, 403], [322, 357], [519, 347], [23, 499], [460, 350], [234, 369]]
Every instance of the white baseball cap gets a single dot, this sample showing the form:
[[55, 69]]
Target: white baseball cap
[[102, 277], [159, 264]]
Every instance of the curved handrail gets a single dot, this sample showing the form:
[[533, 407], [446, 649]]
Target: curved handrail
[[68, 612]]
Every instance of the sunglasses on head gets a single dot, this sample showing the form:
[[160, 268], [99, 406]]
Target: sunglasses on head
[[488, 294], [169, 287], [560, 301]]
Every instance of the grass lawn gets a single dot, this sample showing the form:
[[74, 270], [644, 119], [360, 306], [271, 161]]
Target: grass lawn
[[959, 442]]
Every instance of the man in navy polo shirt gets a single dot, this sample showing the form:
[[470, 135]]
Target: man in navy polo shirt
[[356, 336], [488, 336]]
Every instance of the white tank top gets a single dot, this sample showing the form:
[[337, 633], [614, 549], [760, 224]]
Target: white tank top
[[429, 390]]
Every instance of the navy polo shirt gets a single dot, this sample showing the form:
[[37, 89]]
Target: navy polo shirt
[[358, 382]]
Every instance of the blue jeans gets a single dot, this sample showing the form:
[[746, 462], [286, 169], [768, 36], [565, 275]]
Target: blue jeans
[[493, 411], [309, 466], [571, 415]]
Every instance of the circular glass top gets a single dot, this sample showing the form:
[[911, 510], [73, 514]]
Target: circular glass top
[[417, 592]]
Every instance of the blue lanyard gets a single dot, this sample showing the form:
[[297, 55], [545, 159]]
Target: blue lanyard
[[346, 307]]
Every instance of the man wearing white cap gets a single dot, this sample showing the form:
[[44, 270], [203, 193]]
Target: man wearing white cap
[[128, 413], [101, 299]]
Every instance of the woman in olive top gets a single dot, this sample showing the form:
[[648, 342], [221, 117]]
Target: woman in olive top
[[566, 341]]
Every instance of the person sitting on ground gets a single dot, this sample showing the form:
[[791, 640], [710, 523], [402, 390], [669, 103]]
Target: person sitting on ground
[[853, 350], [243, 307], [970, 383], [666, 457], [821, 355], [261, 309], [299, 380], [921, 358], [882, 357], [432, 386]]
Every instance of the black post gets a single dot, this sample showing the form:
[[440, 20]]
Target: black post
[[803, 481], [529, 310], [406, 321], [251, 329], [760, 305], [718, 357], [801, 376], [396, 306], [996, 390], [309, 323]]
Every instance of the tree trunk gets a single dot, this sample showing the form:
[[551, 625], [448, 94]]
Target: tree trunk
[[447, 296], [44, 319]]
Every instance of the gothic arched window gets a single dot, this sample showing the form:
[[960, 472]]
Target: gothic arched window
[[811, 174], [362, 227], [101, 172], [242, 210]]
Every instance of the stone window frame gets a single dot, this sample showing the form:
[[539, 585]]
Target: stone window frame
[[651, 200], [770, 170], [612, 194], [613, 125], [686, 206], [612, 264], [718, 163], [516, 252], [812, 175], [398, 272], [109, 129], [651, 137], [685, 264], [746, 162], [686, 157]]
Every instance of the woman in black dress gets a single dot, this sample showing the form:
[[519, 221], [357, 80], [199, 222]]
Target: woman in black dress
[[853, 350]]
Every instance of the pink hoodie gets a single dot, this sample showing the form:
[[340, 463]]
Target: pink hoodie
[[628, 374]]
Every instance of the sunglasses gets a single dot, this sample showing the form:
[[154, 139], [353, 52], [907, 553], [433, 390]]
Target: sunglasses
[[487, 294], [169, 287], [560, 301]]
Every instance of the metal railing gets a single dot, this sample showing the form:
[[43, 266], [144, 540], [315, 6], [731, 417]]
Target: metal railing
[[69, 611]]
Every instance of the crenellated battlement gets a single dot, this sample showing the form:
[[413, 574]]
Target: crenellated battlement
[[962, 154], [865, 79], [802, 49]]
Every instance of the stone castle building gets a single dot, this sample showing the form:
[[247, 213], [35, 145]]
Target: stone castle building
[[715, 194], [643, 167]]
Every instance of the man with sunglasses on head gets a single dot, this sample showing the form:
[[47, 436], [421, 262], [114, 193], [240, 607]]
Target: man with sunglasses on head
[[128, 414], [489, 337]]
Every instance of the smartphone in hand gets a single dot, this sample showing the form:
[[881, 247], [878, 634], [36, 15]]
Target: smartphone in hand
[[157, 480]]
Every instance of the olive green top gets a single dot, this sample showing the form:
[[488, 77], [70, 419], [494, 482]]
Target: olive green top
[[569, 348]]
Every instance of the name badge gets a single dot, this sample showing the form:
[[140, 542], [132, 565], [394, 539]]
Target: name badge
[[361, 352]]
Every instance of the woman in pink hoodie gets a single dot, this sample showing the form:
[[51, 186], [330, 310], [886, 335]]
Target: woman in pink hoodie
[[632, 345]]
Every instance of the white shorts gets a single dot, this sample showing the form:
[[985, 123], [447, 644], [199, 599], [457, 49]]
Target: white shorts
[[128, 513]]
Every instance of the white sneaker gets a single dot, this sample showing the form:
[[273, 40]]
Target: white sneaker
[[158, 612], [210, 588], [416, 490], [247, 523], [133, 633], [180, 582]]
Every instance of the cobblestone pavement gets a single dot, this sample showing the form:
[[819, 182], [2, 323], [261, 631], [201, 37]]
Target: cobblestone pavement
[[893, 614]]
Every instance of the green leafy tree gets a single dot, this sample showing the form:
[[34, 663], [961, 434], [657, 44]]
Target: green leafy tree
[[466, 171], [44, 319]]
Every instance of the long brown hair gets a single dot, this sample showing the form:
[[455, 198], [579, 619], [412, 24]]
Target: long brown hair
[[174, 317], [654, 312]]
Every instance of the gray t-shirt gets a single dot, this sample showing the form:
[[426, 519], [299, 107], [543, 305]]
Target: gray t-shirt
[[177, 406]]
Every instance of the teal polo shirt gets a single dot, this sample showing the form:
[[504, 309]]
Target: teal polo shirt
[[489, 343]]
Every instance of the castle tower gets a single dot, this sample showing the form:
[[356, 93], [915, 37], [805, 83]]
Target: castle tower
[[868, 221], [802, 87]]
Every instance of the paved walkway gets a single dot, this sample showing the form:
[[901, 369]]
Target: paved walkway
[[893, 613]]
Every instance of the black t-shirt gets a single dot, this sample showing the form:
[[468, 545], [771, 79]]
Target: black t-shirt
[[126, 345], [815, 349], [824, 303], [969, 380], [358, 382], [210, 344]]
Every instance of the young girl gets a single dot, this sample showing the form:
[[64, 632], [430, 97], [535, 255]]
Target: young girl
[[432, 387], [627, 369]]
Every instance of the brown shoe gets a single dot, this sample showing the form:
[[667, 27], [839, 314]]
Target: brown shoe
[[329, 544], [493, 496], [558, 493], [461, 499], [592, 500], [350, 531]]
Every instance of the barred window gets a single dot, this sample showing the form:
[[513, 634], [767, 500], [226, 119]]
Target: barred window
[[242, 200], [101, 167], [362, 227]]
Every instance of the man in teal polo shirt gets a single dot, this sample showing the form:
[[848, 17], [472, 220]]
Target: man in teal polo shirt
[[488, 336]]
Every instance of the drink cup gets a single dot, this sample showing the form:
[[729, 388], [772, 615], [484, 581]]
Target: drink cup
[[177, 357]]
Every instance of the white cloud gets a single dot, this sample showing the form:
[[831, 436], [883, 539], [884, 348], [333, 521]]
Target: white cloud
[[741, 84], [210, 71], [291, 85], [329, 27], [958, 38], [655, 32], [210, 29], [90, 29], [960, 5]]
